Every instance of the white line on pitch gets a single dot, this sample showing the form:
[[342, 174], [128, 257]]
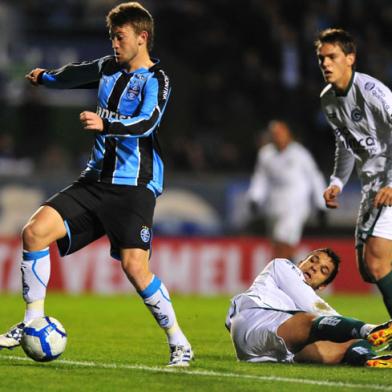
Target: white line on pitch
[[211, 373]]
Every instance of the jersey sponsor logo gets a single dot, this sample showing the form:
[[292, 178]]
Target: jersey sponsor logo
[[145, 234], [106, 113], [367, 143], [380, 95], [369, 86], [356, 115]]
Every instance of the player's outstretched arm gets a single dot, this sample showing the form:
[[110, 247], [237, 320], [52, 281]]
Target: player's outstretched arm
[[33, 76], [331, 196]]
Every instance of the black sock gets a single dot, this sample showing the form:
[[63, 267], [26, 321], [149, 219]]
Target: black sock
[[336, 328], [385, 287], [358, 353]]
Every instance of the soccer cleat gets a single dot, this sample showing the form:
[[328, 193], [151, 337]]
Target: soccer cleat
[[11, 339], [381, 334], [381, 361], [180, 355]]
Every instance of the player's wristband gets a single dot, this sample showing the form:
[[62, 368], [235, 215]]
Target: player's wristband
[[40, 76]]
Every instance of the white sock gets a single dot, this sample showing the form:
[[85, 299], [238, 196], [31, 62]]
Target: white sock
[[34, 310], [365, 330], [157, 299], [35, 269]]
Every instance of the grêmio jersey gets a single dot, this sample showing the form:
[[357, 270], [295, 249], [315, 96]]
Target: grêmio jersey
[[131, 105], [361, 119]]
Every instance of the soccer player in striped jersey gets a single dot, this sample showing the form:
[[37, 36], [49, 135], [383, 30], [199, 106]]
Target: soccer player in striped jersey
[[358, 107], [280, 318], [115, 195]]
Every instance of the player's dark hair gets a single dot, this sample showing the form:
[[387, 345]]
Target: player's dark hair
[[136, 15], [335, 260], [338, 37]]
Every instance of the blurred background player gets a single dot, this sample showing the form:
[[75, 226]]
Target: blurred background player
[[358, 107], [285, 187], [115, 195], [280, 318]]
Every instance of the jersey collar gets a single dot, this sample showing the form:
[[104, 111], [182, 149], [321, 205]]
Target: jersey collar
[[144, 70], [345, 92]]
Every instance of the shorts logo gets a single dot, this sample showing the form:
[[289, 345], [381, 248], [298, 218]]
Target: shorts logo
[[356, 115], [369, 86], [145, 234]]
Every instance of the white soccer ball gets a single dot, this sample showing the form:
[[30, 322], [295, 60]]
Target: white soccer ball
[[44, 339]]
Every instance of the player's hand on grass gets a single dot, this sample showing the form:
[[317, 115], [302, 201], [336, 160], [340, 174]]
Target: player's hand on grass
[[33, 76], [383, 197], [331, 196], [91, 121]]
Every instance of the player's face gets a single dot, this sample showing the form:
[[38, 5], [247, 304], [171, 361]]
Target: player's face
[[126, 44], [317, 267], [280, 135], [335, 65]]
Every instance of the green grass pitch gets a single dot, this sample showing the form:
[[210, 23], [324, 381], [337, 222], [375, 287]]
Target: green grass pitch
[[114, 345]]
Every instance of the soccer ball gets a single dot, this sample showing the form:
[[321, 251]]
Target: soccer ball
[[44, 339]]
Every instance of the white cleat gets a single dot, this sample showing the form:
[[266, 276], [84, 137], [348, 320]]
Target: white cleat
[[11, 339], [180, 356]]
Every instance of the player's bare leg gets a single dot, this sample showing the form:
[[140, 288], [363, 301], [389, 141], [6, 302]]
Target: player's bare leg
[[335, 339], [328, 353], [378, 258], [43, 228], [156, 297]]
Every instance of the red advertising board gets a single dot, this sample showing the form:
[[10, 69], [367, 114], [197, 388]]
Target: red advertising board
[[205, 266]]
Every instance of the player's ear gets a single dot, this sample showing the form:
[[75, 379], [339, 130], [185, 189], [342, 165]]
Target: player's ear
[[351, 59], [142, 38]]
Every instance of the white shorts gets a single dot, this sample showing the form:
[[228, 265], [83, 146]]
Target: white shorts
[[376, 222], [253, 332]]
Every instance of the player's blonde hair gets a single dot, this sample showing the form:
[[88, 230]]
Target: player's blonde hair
[[136, 15]]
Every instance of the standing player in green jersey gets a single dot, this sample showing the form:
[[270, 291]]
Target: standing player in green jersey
[[359, 109]]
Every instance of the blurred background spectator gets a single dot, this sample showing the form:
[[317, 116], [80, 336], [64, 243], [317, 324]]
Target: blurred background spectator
[[286, 187], [234, 66]]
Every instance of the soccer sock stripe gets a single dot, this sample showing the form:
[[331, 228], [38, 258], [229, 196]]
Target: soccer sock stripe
[[157, 299], [151, 289]]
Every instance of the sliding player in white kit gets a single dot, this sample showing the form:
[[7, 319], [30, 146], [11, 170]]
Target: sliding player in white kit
[[359, 109], [280, 318]]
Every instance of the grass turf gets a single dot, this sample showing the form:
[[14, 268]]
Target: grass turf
[[115, 345]]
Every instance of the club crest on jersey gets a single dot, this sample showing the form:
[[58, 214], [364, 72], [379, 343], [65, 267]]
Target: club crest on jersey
[[133, 89], [356, 115], [369, 86], [145, 234]]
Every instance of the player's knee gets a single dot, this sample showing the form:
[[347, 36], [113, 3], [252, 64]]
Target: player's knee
[[134, 267], [375, 271], [32, 234]]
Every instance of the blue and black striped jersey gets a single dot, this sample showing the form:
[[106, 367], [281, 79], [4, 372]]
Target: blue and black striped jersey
[[131, 105]]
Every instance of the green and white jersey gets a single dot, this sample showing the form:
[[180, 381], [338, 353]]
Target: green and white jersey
[[280, 286], [361, 119]]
